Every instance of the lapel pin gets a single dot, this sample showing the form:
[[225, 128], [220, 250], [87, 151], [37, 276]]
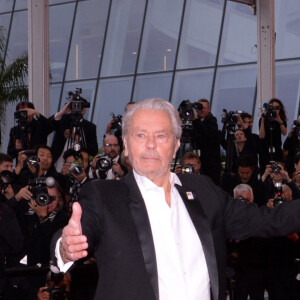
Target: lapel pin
[[190, 195]]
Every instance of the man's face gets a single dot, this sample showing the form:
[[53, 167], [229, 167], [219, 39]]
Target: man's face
[[6, 165], [245, 173], [111, 146], [150, 144], [45, 157], [204, 111], [248, 122], [195, 163]]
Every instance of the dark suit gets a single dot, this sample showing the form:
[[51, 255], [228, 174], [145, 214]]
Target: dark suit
[[59, 140], [118, 230], [206, 138]]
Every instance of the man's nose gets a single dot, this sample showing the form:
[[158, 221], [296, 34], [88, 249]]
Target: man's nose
[[151, 142]]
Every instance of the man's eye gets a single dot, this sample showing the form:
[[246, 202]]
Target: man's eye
[[140, 135], [161, 136]]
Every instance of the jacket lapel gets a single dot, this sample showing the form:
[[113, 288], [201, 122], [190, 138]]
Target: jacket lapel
[[200, 221], [140, 217]]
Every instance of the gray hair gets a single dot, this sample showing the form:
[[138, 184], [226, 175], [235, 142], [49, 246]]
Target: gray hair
[[243, 187], [153, 104]]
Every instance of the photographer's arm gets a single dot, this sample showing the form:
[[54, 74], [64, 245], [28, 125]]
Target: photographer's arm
[[62, 112], [262, 131]]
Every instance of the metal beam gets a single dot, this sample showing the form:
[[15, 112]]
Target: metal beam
[[38, 55], [265, 51]]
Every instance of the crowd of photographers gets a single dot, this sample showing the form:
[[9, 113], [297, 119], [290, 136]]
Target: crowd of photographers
[[39, 188]]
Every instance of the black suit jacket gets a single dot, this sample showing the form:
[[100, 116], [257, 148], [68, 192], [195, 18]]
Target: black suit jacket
[[59, 140], [117, 227]]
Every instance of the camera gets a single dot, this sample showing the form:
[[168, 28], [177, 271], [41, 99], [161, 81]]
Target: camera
[[117, 124], [104, 163], [76, 167], [77, 102], [270, 112], [242, 199], [38, 188], [187, 169], [6, 178], [186, 111], [32, 159], [56, 293], [275, 167], [21, 116]]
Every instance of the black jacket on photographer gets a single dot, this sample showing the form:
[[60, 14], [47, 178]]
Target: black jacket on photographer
[[292, 147], [36, 132], [59, 140], [206, 138]]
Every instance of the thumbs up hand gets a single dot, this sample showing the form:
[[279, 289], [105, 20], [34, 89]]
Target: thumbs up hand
[[73, 244]]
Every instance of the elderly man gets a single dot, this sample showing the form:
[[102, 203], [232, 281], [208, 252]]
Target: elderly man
[[156, 235]]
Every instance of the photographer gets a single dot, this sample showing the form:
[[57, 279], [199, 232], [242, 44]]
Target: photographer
[[32, 129], [39, 164], [57, 287], [207, 139], [275, 174], [190, 164], [113, 167], [70, 126], [74, 170], [291, 146], [272, 125], [246, 166]]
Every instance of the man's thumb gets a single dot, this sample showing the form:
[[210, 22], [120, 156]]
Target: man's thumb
[[76, 215]]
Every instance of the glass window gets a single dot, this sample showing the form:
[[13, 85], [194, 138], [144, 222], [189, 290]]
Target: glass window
[[200, 34], [4, 22], [55, 90], [160, 35], [123, 36], [21, 4], [235, 89], [88, 93], [239, 37], [87, 40], [287, 28], [18, 40], [113, 95], [60, 23], [149, 86], [59, 1], [6, 5], [192, 85]]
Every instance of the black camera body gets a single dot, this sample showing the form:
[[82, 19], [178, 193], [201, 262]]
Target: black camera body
[[270, 113], [186, 110], [21, 116], [275, 167], [6, 178], [187, 169], [56, 293], [104, 163], [242, 199], [38, 188], [76, 168], [117, 124]]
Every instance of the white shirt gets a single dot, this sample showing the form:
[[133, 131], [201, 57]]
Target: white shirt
[[181, 265]]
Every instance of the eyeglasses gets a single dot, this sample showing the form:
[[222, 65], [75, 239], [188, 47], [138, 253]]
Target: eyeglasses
[[111, 145]]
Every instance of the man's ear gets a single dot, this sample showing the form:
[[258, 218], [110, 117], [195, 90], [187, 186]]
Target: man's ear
[[125, 147], [176, 147]]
